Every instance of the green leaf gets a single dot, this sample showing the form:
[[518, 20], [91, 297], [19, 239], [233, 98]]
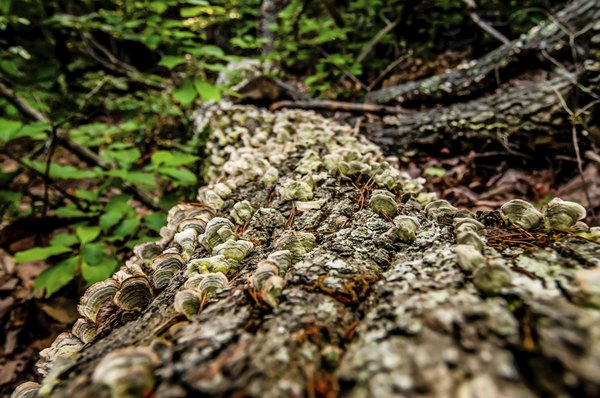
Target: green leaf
[[169, 158], [87, 195], [86, 233], [134, 177], [183, 176], [64, 239], [119, 203], [155, 221], [94, 253], [207, 91], [40, 253], [55, 277], [158, 7], [59, 171], [110, 219], [98, 272], [171, 61], [8, 128], [435, 171], [71, 212], [127, 227], [125, 158], [185, 93]]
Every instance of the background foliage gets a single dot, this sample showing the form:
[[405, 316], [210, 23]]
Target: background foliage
[[121, 77]]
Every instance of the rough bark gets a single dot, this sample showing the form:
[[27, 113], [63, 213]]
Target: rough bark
[[529, 118], [363, 312], [557, 33]]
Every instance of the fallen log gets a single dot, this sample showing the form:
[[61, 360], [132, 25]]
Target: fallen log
[[313, 267], [561, 31]]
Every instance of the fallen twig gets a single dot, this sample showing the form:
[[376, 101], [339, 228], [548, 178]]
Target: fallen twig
[[326, 105]]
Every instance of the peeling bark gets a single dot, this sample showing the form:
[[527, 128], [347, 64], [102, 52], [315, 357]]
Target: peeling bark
[[558, 32], [364, 313]]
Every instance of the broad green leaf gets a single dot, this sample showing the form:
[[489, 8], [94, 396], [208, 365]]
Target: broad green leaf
[[155, 221], [87, 195], [71, 212], [158, 6], [110, 219], [207, 91], [127, 227], [134, 177], [119, 203], [171, 61], [87, 233], [195, 11], [206, 50], [125, 158], [40, 253], [172, 158], [59, 171], [98, 272], [182, 176], [56, 276], [94, 253], [8, 128], [64, 239], [185, 93]]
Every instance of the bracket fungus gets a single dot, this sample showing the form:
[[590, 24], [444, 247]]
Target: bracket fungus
[[297, 190], [84, 330], [562, 214], [218, 230], [164, 268], [135, 293], [235, 250], [241, 212], [521, 214], [264, 271], [405, 228], [298, 243], [440, 210], [128, 372], [383, 202], [468, 257], [95, 297], [212, 283], [29, 389], [187, 302], [272, 290]]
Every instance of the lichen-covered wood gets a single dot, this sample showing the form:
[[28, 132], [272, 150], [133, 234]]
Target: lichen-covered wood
[[556, 34], [312, 267], [530, 118]]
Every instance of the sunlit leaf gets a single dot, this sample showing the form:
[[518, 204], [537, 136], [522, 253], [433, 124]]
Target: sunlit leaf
[[56, 276], [185, 93], [40, 253], [87, 233]]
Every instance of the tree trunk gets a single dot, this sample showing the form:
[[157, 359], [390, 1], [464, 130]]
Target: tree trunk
[[369, 308], [530, 118], [546, 39]]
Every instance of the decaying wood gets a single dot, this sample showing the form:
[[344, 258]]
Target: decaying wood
[[363, 313], [529, 118], [557, 33]]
